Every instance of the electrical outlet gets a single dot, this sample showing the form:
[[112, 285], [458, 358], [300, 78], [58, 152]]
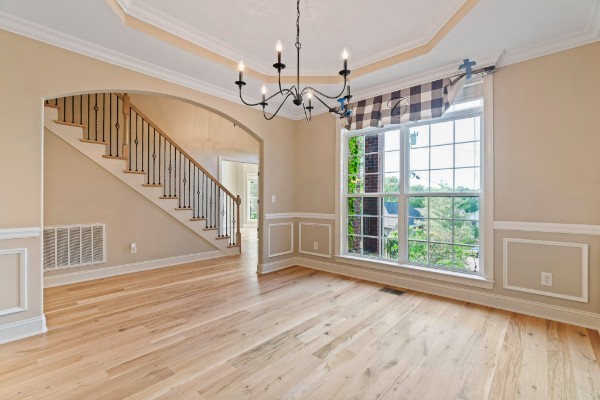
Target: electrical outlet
[[133, 248], [546, 279], [316, 246]]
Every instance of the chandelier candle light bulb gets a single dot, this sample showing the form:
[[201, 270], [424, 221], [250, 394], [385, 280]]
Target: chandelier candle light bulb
[[279, 48], [345, 58], [263, 90]]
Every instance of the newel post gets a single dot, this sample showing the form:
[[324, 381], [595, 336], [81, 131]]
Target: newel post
[[126, 133], [238, 234]]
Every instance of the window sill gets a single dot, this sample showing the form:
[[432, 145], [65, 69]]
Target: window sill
[[414, 270]]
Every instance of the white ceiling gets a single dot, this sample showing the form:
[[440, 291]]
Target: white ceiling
[[495, 31]]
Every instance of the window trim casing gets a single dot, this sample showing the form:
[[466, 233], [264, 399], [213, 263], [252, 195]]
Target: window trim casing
[[483, 280]]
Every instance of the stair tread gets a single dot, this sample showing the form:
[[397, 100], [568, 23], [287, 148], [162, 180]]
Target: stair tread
[[94, 141], [234, 245], [70, 124], [223, 237], [197, 219], [152, 184], [115, 157], [211, 229], [133, 172], [169, 197], [183, 208], [53, 106]]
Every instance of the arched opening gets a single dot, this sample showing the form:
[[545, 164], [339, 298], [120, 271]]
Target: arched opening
[[168, 136]]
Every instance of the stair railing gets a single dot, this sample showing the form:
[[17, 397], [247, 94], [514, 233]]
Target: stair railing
[[130, 135]]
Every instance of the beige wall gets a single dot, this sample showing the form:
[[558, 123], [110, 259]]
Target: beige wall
[[206, 136], [546, 165], [315, 172], [25, 83], [546, 138], [79, 191]]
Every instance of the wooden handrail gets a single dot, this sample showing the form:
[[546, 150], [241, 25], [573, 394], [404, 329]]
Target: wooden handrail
[[168, 138]]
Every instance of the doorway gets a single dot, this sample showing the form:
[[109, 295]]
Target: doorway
[[242, 176]]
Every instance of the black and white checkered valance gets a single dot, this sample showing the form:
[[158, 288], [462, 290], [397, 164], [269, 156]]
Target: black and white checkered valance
[[417, 103]]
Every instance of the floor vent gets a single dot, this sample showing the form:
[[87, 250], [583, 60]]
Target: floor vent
[[392, 291], [74, 246]]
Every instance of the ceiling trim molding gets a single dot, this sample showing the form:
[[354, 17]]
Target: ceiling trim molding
[[164, 29], [41, 33]]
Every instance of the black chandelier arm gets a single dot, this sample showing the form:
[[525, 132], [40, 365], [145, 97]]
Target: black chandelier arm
[[326, 105], [246, 103], [323, 94], [277, 111]]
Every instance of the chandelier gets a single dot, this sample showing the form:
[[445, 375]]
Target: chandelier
[[297, 93]]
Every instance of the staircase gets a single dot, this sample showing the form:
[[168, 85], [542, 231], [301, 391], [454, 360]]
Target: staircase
[[119, 137]]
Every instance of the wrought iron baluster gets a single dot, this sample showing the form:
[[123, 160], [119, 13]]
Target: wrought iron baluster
[[117, 125], [142, 137], [103, 116], [96, 116], [175, 183], [88, 117], [160, 181], [110, 124], [204, 196], [154, 157], [193, 195], [129, 141], [170, 168], [136, 141], [148, 150]]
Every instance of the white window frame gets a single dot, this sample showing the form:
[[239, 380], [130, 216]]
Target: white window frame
[[486, 278], [249, 177]]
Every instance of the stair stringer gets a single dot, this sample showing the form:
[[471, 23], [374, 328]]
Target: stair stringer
[[73, 135]]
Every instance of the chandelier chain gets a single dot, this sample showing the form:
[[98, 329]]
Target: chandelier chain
[[298, 45]]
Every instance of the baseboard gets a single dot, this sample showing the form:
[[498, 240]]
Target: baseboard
[[277, 265], [22, 329], [80, 276], [527, 307]]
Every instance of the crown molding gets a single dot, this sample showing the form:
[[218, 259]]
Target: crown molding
[[41, 33]]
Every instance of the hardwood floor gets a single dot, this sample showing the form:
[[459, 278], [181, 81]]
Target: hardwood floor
[[214, 330]]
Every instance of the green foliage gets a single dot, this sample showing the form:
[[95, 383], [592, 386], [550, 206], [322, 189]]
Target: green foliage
[[391, 184], [391, 245]]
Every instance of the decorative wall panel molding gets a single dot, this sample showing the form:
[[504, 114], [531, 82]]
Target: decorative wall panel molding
[[22, 306], [329, 239], [270, 239], [584, 269]]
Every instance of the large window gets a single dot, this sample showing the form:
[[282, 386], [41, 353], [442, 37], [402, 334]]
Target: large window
[[413, 192]]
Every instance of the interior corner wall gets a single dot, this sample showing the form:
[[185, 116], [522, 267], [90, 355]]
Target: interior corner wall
[[546, 170], [79, 191], [35, 71]]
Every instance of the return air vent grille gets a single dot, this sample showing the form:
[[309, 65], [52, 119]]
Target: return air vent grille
[[74, 246]]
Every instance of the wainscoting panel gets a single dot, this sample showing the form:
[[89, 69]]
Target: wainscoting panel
[[313, 235], [281, 239], [13, 269], [526, 259]]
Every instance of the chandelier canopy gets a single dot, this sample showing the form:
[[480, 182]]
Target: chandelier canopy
[[298, 93]]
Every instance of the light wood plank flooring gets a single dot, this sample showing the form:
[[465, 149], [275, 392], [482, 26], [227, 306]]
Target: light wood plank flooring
[[214, 330]]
